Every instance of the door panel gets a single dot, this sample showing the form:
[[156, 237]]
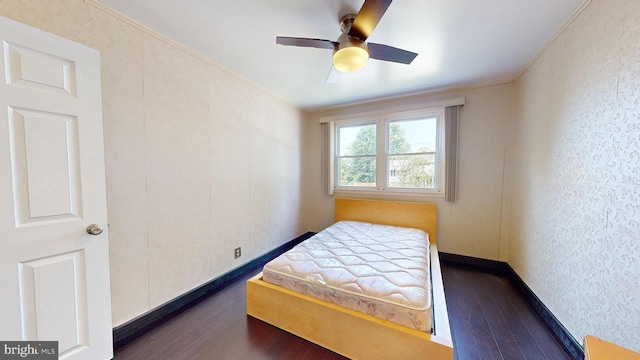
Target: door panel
[[58, 279], [54, 275], [31, 67], [45, 159]]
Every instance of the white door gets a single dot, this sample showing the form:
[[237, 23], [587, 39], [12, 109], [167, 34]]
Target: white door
[[54, 276]]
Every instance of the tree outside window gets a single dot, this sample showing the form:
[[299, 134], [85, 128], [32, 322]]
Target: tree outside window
[[410, 157]]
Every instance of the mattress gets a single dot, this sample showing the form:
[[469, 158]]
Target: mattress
[[379, 270]]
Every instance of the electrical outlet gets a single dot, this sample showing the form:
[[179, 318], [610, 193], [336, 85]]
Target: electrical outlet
[[237, 252]]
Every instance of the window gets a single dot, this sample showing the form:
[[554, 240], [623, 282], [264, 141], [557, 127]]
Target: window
[[406, 150], [398, 152], [357, 155], [411, 153]]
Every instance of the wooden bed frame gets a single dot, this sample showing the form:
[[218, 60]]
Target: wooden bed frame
[[350, 333]]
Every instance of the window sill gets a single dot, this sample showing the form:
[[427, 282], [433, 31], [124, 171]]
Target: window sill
[[400, 195]]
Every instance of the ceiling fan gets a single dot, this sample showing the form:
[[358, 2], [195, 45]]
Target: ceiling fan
[[351, 51]]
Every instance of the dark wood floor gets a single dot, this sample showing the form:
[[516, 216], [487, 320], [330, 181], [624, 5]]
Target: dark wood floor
[[489, 320]]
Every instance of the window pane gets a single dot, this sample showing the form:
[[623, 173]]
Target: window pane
[[412, 136], [357, 140], [357, 155], [412, 171], [357, 171]]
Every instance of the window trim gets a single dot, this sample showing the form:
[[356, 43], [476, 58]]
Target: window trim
[[439, 152], [327, 119], [337, 157], [382, 121]]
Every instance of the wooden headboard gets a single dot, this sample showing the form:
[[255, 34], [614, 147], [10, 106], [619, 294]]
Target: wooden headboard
[[416, 215]]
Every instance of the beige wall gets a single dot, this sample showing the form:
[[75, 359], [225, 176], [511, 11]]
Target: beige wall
[[574, 229], [471, 225], [198, 161]]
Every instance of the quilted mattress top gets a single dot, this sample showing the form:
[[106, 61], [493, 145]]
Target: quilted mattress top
[[386, 263]]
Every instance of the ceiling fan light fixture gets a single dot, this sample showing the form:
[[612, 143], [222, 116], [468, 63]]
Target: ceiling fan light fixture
[[351, 52], [350, 56]]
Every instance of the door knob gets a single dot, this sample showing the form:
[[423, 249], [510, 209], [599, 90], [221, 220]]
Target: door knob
[[94, 229]]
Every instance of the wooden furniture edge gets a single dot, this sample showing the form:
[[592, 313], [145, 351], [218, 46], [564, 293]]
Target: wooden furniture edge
[[441, 325], [348, 332], [596, 349], [421, 216], [344, 331]]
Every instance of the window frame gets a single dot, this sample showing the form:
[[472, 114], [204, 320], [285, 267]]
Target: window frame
[[437, 152], [382, 120], [338, 156]]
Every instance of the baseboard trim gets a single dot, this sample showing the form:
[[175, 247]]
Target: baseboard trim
[[570, 343], [133, 329], [573, 347], [484, 265]]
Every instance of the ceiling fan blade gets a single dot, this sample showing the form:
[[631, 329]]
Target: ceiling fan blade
[[306, 42], [368, 18], [389, 53]]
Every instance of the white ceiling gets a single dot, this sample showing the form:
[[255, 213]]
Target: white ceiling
[[459, 42]]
